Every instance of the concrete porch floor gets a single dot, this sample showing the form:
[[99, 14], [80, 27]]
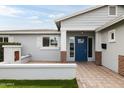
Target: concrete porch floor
[[89, 75]]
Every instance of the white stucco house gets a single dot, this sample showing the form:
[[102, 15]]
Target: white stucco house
[[95, 34]]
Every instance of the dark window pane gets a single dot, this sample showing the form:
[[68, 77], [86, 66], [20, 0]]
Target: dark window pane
[[112, 35], [72, 46], [71, 53], [5, 39], [1, 39], [80, 41], [112, 10], [71, 49], [53, 42], [90, 47], [45, 41]]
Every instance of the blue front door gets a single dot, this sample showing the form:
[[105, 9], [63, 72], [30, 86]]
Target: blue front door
[[80, 48]]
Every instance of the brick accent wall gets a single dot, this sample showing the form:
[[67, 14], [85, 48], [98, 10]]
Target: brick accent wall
[[121, 65], [63, 56], [98, 58]]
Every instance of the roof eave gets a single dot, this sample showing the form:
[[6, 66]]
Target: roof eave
[[110, 23], [78, 13], [30, 31], [26, 33]]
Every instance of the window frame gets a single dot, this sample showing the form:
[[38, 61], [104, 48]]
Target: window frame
[[116, 9], [51, 47], [2, 39], [72, 40], [109, 36], [6, 38], [93, 48], [2, 36]]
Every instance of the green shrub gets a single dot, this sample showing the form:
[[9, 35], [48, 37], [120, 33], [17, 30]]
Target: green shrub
[[2, 50], [8, 43]]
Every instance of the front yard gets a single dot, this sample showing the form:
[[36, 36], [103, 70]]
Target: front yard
[[38, 83]]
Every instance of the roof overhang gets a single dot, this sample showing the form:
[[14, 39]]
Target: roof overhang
[[110, 23], [42, 31]]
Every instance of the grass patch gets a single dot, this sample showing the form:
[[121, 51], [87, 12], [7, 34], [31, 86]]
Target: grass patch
[[38, 83]]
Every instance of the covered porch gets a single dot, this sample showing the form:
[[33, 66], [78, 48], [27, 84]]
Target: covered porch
[[77, 46]]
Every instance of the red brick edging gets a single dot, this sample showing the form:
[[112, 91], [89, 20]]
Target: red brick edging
[[121, 65], [63, 56], [98, 58]]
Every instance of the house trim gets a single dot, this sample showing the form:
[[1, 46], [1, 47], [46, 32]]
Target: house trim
[[42, 31]]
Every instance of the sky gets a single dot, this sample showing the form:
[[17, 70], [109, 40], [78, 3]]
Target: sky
[[34, 16]]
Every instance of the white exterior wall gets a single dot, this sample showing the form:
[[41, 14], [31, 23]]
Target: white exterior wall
[[97, 41], [30, 46], [110, 55], [37, 71], [90, 20], [63, 40]]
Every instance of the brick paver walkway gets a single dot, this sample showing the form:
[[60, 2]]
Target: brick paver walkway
[[91, 76]]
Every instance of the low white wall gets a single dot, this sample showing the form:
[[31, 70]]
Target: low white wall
[[9, 54], [26, 58], [37, 71]]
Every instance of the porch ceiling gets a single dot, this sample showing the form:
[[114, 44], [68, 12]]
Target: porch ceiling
[[81, 32]]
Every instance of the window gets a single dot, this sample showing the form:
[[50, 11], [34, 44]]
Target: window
[[3, 39], [71, 44], [80, 41], [50, 41], [53, 42], [111, 36], [112, 10], [45, 41], [71, 49], [90, 47]]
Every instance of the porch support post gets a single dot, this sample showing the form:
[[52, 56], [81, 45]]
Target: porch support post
[[63, 46], [98, 50]]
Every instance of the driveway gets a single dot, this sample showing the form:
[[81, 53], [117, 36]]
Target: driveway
[[91, 76]]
